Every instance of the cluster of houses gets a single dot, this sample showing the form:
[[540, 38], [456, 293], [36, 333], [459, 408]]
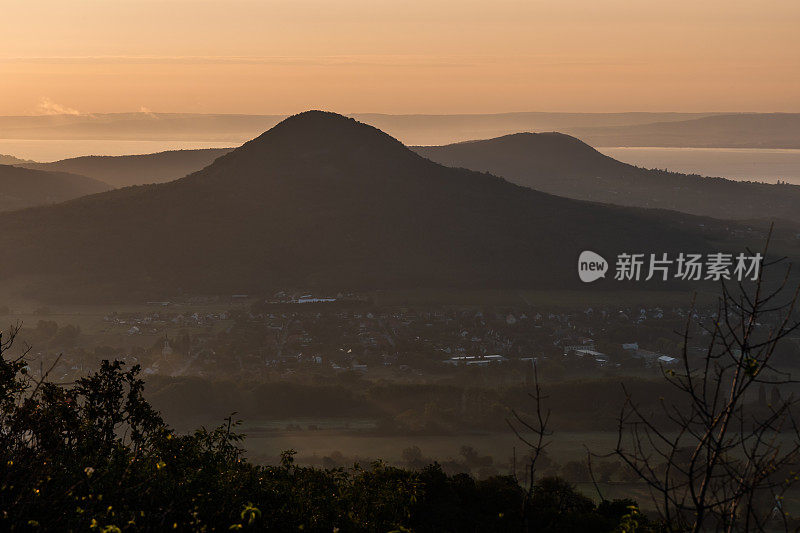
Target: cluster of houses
[[587, 350], [156, 323], [344, 332], [360, 338]]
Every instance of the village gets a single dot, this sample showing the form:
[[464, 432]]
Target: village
[[291, 335]]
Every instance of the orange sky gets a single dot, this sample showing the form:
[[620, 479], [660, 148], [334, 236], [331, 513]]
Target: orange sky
[[400, 56]]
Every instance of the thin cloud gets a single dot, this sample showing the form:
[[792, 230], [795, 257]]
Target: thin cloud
[[47, 106], [147, 111], [316, 60], [362, 60]]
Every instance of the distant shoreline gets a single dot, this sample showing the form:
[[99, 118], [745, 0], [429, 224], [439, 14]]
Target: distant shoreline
[[742, 164]]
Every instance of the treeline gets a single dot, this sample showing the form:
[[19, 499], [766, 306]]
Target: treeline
[[583, 405], [607, 472]]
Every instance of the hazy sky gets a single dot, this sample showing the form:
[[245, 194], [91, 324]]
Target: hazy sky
[[267, 56]]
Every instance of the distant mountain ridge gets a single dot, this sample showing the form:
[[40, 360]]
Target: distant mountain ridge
[[741, 130], [324, 202], [122, 171], [551, 162], [563, 165], [22, 187]]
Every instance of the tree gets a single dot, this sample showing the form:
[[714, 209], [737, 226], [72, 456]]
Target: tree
[[716, 459], [533, 432]]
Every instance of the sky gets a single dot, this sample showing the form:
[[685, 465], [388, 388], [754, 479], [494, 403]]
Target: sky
[[400, 56]]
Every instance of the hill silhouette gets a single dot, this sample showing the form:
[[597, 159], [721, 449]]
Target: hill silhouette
[[563, 165], [550, 162], [125, 170], [21, 187], [324, 202]]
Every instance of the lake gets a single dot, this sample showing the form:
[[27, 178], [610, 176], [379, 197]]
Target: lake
[[755, 164], [758, 164]]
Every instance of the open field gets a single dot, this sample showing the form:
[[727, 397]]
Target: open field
[[314, 444]]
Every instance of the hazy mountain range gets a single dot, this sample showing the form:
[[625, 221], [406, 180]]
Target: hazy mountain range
[[324, 202], [760, 130], [563, 165], [551, 162], [121, 171], [757, 130]]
